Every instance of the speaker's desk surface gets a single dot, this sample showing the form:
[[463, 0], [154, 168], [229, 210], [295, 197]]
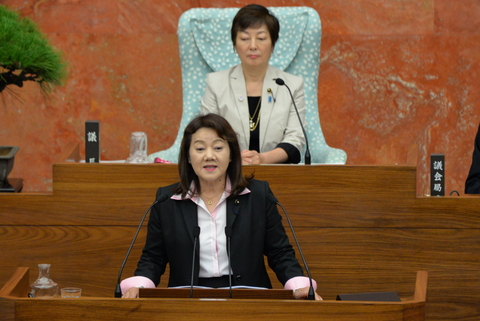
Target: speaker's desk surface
[[15, 306]]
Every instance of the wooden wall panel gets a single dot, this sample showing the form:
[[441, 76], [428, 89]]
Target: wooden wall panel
[[362, 229]]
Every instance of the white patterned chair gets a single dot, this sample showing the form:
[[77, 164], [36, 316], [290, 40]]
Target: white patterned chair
[[205, 46]]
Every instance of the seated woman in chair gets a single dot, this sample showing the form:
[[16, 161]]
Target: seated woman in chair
[[260, 111]]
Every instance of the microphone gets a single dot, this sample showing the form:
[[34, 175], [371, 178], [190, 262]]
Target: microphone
[[196, 233], [118, 291], [308, 159], [228, 233], [311, 292]]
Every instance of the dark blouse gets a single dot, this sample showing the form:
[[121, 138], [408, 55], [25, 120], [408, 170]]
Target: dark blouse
[[292, 152]]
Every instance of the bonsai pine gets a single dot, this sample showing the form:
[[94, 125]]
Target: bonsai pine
[[26, 55]]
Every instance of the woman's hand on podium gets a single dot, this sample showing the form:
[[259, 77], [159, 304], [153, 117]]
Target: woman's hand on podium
[[302, 293], [131, 293]]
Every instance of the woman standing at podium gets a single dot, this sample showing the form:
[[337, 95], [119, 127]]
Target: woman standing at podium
[[212, 200]]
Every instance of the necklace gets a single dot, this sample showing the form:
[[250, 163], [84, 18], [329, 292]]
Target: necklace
[[210, 199], [254, 124]]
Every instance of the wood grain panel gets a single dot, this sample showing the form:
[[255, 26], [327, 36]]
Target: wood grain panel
[[187, 309], [362, 228], [85, 256], [341, 260], [325, 196], [261, 305]]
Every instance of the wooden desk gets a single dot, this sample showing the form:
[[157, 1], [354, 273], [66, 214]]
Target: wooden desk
[[362, 229], [15, 306]]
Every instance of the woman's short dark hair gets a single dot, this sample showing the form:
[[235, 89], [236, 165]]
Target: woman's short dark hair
[[225, 131], [255, 15]]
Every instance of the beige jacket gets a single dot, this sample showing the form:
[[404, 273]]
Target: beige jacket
[[226, 95]]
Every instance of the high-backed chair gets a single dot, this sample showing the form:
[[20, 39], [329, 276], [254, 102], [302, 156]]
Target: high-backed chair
[[206, 46]]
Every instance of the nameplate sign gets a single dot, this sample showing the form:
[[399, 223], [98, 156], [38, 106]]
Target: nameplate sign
[[437, 174], [92, 141]]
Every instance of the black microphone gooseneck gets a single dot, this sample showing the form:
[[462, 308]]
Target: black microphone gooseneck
[[196, 233], [228, 233], [118, 291], [308, 158], [311, 292]]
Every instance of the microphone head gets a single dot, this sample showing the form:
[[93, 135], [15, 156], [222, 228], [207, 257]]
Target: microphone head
[[279, 81], [161, 198], [196, 231], [272, 198]]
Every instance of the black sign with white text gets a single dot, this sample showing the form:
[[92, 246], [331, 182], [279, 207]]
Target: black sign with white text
[[92, 141], [437, 174]]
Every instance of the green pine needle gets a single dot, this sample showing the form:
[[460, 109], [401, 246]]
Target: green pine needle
[[26, 54]]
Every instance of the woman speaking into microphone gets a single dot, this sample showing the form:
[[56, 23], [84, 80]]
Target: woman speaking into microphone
[[231, 216]]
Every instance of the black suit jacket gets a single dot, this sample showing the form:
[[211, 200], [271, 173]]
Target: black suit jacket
[[472, 184], [257, 230]]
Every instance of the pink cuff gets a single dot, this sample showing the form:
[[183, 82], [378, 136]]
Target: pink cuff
[[136, 281], [299, 282]]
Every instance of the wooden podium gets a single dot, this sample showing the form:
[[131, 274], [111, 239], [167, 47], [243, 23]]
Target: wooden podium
[[206, 293], [171, 304]]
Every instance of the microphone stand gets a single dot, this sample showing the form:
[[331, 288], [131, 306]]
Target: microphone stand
[[308, 158], [228, 233], [311, 292], [118, 289], [196, 233]]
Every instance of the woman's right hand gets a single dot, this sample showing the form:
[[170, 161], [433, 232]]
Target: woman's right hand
[[131, 293]]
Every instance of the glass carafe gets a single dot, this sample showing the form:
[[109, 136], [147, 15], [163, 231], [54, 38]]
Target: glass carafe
[[138, 148], [43, 287]]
